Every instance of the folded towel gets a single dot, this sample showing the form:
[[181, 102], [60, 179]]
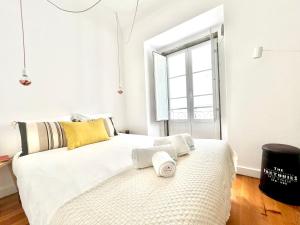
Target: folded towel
[[189, 140], [142, 157], [178, 141], [163, 164], [162, 141]]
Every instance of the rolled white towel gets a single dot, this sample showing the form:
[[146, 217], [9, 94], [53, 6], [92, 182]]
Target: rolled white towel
[[142, 157], [163, 164], [178, 141]]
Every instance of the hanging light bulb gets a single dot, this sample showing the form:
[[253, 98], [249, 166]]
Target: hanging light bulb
[[24, 80], [120, 91]]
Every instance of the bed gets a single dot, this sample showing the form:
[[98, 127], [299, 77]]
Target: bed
[[96, 184]]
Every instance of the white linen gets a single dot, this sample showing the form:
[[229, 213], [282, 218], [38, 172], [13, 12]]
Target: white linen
[[163, 164], [142, 157], [198, 194], [47, 180]]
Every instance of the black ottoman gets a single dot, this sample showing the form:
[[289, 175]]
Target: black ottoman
[[280, 173]]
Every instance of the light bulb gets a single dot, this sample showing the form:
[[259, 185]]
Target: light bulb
[[120, 91], [25, 81]]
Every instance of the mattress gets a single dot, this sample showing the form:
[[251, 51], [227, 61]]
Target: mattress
[[55, 185]]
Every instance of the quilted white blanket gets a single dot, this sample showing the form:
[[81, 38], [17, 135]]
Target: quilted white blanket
[[199, 193]]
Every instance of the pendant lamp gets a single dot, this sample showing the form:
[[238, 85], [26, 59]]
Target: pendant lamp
[[24, 80]]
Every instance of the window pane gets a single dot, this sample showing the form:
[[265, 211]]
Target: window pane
[[203, 101], [178, 114], [177, 87], [202, 83], [176, 64], [203, 113], [178, 103], [201, 57]]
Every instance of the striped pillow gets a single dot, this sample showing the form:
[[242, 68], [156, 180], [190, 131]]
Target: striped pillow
[[41, 136]]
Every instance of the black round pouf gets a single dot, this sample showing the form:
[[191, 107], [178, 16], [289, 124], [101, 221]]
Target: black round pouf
[[280, 173]]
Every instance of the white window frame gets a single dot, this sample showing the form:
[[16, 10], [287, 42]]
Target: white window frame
[[189, 84]]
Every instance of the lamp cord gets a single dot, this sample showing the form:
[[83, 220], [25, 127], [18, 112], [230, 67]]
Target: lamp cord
[[23, 34], [118, 49], [58, 7], [74, 11], [81, 11], [92, 6], [133, 21]]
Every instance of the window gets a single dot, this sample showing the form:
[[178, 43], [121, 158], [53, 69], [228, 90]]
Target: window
[[177, 86], [190, 79], [202, 82]]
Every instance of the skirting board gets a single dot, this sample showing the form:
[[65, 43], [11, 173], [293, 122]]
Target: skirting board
[[7, 190], [247, 171]]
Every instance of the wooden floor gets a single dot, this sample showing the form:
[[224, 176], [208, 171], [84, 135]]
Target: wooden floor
[[249, 207], [11, 212]]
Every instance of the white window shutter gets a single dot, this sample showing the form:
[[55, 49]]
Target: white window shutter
[[161, 87]]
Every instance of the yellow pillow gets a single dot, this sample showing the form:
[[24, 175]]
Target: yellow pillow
[[84, 133]]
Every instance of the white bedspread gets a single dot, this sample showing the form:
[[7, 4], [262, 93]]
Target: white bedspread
[[48, 180]]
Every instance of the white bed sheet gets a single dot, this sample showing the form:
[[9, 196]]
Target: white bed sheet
[[48, 179]]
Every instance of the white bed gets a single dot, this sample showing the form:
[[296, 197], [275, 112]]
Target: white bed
[[50, 179]]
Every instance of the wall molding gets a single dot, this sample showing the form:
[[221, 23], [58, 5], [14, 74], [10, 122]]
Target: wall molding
[[7, 190], [248, 171]]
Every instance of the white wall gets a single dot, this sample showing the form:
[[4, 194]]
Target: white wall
[[72, 62], [264, 93], [164, 17]]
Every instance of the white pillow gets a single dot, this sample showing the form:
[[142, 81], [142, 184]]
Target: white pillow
[[78, 117]]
